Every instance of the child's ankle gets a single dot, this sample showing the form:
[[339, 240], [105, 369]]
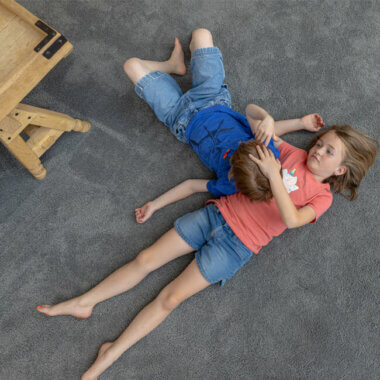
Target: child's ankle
[[83, 301]]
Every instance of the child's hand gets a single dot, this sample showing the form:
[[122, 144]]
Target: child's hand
[[268, 163], [145, 212], [265, 130], [312, 122]]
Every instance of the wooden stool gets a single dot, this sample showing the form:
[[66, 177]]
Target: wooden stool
[[29, 49]]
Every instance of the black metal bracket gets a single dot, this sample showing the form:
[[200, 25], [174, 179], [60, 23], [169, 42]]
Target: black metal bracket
[[50, 34], [58, 43]]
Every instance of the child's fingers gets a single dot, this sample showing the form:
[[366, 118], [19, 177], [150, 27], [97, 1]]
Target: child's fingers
[[254, 159], [258, 135], [265, 151], [259, 151], [261, 135], [270, 152], [319, 120]]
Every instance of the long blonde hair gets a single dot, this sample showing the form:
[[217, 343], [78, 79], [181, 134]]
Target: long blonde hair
[[360, 152]]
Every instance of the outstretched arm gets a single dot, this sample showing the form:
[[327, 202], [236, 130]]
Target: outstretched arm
[[281, 127], [264, 130], [181, 191], [312, 123]]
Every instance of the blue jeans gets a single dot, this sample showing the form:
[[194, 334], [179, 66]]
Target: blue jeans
[[176, 109], [220, 253]]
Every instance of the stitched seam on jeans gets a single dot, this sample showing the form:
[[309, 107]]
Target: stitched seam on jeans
[[201, 53]]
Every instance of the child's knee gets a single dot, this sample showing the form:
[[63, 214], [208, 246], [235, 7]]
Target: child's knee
[[130, 65], [168, 300], [202, 33], [144, 261], [201, 38]]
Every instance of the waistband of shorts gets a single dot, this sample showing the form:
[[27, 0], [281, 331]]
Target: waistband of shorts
[[220, 215]]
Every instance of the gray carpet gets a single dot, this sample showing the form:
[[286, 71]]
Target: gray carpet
[[306, 307]]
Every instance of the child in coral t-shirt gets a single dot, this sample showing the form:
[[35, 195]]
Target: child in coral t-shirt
[[257, 223], [228, 231]]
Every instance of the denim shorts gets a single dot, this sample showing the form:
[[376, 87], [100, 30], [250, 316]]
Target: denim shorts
[[220, 253], [176, 109]]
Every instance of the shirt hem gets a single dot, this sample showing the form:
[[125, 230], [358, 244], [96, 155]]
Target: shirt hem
[[255, 250]]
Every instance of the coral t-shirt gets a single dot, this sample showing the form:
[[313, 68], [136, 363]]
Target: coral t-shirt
[[256, 223]]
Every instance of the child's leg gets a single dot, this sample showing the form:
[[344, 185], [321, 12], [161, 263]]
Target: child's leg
[[200, 38], [165, 249], [188, 283], [208, 87], [154, 84], [137, 68]]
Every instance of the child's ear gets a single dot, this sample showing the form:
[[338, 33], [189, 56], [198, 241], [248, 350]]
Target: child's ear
[[341, 170]]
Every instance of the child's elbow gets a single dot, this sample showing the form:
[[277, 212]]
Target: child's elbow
[[292, 223]]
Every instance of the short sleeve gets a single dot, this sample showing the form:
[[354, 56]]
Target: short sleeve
[[221, 186], [286, 150], [320, 203]]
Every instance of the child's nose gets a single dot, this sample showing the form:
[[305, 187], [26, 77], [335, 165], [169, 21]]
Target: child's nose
[[319, 152]]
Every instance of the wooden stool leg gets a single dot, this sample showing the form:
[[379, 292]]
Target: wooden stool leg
[[51, 119], [21, 150]]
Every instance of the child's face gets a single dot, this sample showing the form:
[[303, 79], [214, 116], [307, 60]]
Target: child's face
[[325, 157]]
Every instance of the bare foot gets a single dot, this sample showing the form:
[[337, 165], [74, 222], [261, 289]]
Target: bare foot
[[178, 58], [72, 307], [100, 365]]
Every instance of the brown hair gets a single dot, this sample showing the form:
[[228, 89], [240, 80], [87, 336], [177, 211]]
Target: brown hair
[[249, 179], [360, 153]]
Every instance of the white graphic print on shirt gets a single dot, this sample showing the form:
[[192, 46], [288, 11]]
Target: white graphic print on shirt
[[289, 180]]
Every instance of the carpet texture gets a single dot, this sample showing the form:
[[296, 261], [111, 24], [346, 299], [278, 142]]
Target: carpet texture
[[306, 307]]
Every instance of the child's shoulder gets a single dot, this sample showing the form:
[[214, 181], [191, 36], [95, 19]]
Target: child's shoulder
[[287, 150]]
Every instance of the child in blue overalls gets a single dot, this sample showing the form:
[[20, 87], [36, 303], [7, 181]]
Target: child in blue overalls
[[202, 117]]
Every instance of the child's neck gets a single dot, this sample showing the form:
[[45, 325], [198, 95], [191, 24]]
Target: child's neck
[[317, 177]]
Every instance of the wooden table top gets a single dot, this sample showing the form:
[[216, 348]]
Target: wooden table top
[[29, 49]]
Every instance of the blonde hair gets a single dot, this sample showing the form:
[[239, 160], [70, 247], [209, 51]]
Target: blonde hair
[[360, 153], [249, 179]]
